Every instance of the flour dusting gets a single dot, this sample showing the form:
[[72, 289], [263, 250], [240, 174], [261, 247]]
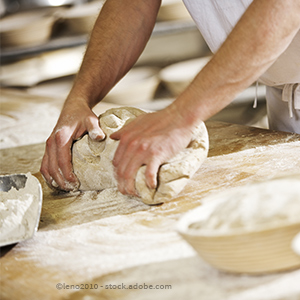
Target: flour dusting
[[256, 206], [19, 210]]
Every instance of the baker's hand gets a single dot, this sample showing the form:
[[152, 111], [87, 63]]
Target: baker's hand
[[150, 139], [75, 120]]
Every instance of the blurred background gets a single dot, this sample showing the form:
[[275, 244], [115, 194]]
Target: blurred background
[[42, 45]]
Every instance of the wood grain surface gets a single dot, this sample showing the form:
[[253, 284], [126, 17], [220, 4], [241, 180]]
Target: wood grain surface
[[91, 244]]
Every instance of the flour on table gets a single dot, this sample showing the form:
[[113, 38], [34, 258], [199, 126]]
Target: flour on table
[[257, 206], [19, 212], [92, 160]]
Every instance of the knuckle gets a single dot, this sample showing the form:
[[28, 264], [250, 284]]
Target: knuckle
[[153, 151], [92, 122], [44, 166], [150, 173], [43, 170], [122, 191], [91, 119], [150, 178], [127, 176], [59, 137], [133, 144], [114, 162], [144, 145], [68, 176], [131, 192], [125, 138], [49, 142], [119, 173], [130, 188]]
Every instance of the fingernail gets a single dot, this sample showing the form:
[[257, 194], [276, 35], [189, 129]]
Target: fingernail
[[96, 134], [70, 186], [54, 184], [152, 184]]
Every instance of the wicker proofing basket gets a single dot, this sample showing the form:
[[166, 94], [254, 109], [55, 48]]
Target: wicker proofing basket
[[252, 252], [138, 86], [80, 19], [173, 10], [178, 76], [26, 29]]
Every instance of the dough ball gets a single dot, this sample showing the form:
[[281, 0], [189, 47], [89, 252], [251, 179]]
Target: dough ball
[[92, 161]]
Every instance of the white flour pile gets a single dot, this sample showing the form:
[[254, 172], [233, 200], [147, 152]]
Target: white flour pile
[[19, 211], [250, 207]]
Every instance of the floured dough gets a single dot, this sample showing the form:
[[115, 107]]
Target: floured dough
[[92, 161]]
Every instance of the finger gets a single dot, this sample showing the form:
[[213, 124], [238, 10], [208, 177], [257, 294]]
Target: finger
[[65, 169], [64, 163], [96, 134], [94, 130], [127, 162], [127, 181], [126, 137], [120, 156], [117, 134], [56, 180], [45, 172], [59, 166], [50, 167], [46, 162], [151, 173], [44, 168]]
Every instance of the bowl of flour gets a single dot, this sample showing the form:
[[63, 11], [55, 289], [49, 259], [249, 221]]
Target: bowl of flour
[[20, 207], [248, 229]]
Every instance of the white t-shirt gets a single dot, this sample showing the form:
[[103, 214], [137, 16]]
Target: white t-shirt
[[215, 20]]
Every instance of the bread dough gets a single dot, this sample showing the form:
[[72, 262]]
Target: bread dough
[[92, 160]]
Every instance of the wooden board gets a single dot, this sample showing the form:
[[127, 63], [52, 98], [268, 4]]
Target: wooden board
[[88, 242]]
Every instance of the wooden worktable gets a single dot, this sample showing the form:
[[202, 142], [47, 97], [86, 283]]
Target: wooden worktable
[[100, 244]]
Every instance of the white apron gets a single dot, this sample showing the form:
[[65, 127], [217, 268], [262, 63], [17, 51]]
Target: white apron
[[215, 20]]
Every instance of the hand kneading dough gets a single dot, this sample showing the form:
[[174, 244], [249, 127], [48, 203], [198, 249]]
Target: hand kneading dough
[[92, 161]]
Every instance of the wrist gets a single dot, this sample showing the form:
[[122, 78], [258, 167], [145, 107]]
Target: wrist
[[183, 115], [190, 109], [85, 91], [79, 99]]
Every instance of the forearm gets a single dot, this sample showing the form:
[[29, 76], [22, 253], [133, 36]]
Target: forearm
[[262, 34], [117, 40]]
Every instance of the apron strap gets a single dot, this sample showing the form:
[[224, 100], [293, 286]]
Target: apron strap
[[256, 93], [288, 93], [297, 97]]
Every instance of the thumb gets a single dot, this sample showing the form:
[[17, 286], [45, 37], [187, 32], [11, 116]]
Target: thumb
[[94, 130]]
